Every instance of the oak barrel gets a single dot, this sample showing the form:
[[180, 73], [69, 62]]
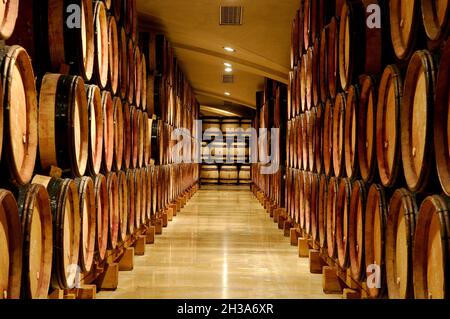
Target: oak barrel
[[343, 222], [356, 233], [114, 209], [338, 134], [8, 17], [20, 114], [63, 124], [331, 212], [209, 174], [228, 174], [144, 191], [122, 184], [135, 131], [315, 199], [351, 133], [102, 214], [435, 16], [245, 175], [137, 72], [138, 196], [118, 134], [101, 41], [127, 134], [404, 20], [318, 137], [10, 247], [108, 131], [113, 55], [431, 249], [142, 128], [401, 223], [328, 138], [95, 110], [323, 65], [123, 63], [131, 201], [149, 196], [130, 71], [143, 71], [37, 235], [333, 57]]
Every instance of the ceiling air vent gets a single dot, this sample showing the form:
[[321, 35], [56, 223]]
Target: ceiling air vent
[[228, 78], [230, 15]]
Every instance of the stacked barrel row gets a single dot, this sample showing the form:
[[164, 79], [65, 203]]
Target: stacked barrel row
[[79, 144], [226, 151], [271, 113], [368, 151]]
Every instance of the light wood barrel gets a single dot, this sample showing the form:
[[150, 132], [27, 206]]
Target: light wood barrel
[[63, 124], [144, 190], [155, 183], [128, 136], [139, 209], [388, 126], [231, 124], [298, 142], [316, 72], [356, 240], [86, 193], [305, 141], [8, 17], [442, 121], [65, 206], [20, 114], [210, 174], [102, 214], [323, 65], [366, 129], [328, 138], [343, 221], [122, 184], [314, 212], [374, 246], [245, 175], [331, 215], [142, 128], [303, 82], [404, 20], [307, 200], [68, 44], [416, 116], [228, 174], [322, 211], [318, 138], [135, 132], [123, 60], [37, 234], [401, 225], [118, 134], [211, 124], [149, 196], [113, 55], [137, 72], [333, 57], [95, 110], [10, 247], [143, 71], [309, 77], [114, 209], [148, 125], [131, 201], [338, 135], [301, 199], [351, 133], [101, 39], [131, 69], [108, 131], [435, 16], [431, 246]]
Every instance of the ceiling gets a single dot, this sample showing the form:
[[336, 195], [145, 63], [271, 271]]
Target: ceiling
[[262, 46]]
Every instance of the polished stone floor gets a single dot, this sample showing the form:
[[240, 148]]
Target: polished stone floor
[[221, 245]]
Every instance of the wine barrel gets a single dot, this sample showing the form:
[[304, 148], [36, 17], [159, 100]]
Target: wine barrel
[[138, 195], [122, 184], [333, 57], [63, 124], [300, 198], [229, 125], [210, 174], [123, 60], [107, 4], [388, 146], [37, 235], [113, 55], [374, 245], [20, 114], [101, 209], [401, 223], [314, 210], [149, 195], [435, 16], [328, 138], [142, 128], [228, 174], [95, 124], [137, 72], [150, 95], [108, 131], [416, 117], [404, 21], [144, 185], [356, 233], [322, 211], [351, 132], [307, 199], [143, 71], [351, 35], [118, 134], [113, 204], [135, 130], [10, 247], [316, 72], [8, 17], [309, 77], [131, 69], [318, 137], [305, 140], [131, 201], [65, 206], [86, 193], [294, 41], [68, 43], [303, 83], [148, 123], [343, 221], [101, 40], [323, 65], [245, 175], [131, 18], [306, 21], [117, 8], [338, 135], [298, 140], [366, 123], [155, 183], [211, 124], [431, 247], [442, 121], [331, 216]]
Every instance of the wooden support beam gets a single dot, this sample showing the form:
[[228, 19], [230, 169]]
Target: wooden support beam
[[330, 281], [303, 247], [126, 262], [165, 220], [351, 294], [150, 235], [316, 262], [139, 246], [294, 236], [109, 279]]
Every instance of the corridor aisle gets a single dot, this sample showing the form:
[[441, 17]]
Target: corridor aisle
[[221, 245]]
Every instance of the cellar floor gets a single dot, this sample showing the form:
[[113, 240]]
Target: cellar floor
[[221, 245]]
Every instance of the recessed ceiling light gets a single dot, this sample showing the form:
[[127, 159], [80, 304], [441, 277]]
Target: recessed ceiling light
[[228, 70], [229, 49], [227, 64], [227, 93]]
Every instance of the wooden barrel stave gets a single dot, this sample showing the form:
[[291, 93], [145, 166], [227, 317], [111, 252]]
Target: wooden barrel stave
[[95, 110], [101, 40], [356, 233], [102, 214]]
